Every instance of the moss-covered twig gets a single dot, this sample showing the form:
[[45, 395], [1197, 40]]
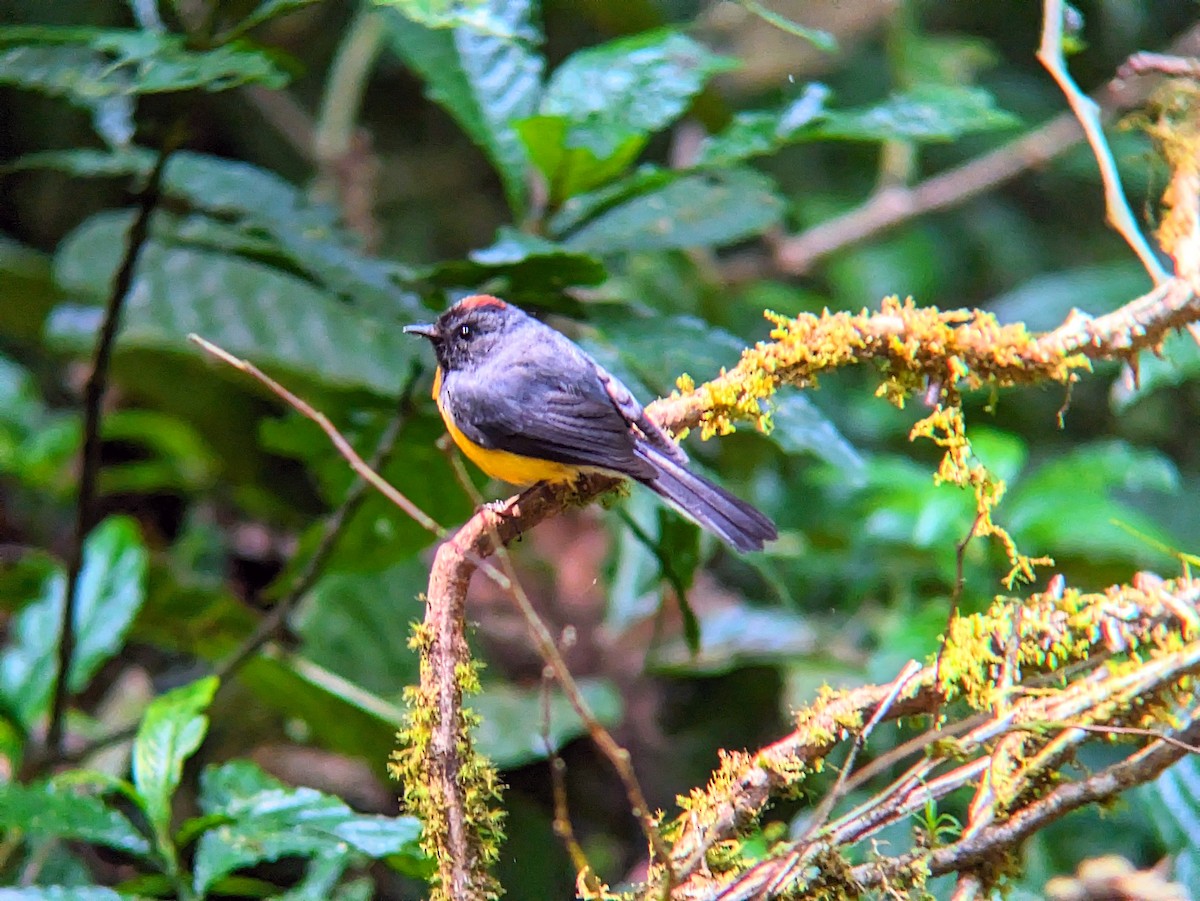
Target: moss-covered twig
[[1035, 679]]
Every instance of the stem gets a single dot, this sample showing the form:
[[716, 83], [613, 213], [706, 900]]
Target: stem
[[93, 402]]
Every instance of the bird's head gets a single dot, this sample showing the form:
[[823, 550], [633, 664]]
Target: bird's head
[[470, 331]]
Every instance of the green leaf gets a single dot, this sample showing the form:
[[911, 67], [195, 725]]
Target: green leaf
[[378, 534], [738, 636], [86, 65], [758, 133], [27, 285], [111, 592], [63, 893], [486, 78], [1173, 802], [357, 625], [578, 209], [320, 881], [110, 595], [47, 810], [926, 113], [511, 731], [628, 87], [799, 426], [171, 730], [572, 170], [696, 210], [171, 454], [304, 235], [270, 821], [529, 264], [307, 233], [1044, 301], [339, 714], [246, 307], [267, 10], [1086, 482], [679, 543], [29, 660]]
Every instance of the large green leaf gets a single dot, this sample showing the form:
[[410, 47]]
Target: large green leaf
[[529, 265], [1173, 802], [631, 86], [761, 132], [483, 16], [702, 209], [267, 820], [270, 218], [357, 625], [379, 533], [86, 65], [1091, 482], [339, 714], [47, 810], [170, 732], [799, 426], [110, 594], [27, 285], [64, 893], [29, 660], [603, 103], [170, 454], [511, 731], [579, 209], [485, 72], [571, 170], [248, 308], [925, 113]]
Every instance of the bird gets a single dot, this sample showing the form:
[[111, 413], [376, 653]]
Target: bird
[[526, 404]]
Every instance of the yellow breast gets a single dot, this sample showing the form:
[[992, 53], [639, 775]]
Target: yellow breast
[[499, 464]]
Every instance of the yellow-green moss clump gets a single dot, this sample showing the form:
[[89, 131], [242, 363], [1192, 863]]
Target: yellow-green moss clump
[[477, 779]]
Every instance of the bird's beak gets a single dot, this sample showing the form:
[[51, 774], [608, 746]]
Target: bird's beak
[[425, 330]]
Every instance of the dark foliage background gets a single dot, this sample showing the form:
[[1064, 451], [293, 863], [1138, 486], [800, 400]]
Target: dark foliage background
[[351, 186]]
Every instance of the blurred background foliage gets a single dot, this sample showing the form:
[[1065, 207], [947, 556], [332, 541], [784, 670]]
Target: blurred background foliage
[[614, 166]]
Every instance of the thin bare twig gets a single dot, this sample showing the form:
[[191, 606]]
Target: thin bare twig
[[1093, 692], [563, 826], [897, 204], [304, 580], [93, 402], [331, 531], [1087, 111], [1138, 769]]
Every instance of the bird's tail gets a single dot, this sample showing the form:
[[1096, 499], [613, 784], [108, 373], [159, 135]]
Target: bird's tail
[[729, 518]]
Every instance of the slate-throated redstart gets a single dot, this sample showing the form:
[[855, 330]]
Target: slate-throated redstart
[[526, 404]]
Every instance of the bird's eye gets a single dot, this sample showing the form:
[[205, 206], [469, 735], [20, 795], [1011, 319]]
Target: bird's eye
[[465, 331]]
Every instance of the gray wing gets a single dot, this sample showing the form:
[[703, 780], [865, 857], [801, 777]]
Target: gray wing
[[554, 404]]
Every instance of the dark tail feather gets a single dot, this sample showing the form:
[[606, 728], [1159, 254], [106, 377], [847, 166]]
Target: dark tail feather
[[729, 518]]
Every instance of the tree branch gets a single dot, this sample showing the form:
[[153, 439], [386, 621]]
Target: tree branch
[[895, 205], [1007, 752]]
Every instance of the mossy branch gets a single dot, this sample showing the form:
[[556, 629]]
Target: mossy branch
[[1031, 680]]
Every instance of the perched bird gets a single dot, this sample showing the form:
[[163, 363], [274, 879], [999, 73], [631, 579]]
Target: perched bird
[[527, 405]]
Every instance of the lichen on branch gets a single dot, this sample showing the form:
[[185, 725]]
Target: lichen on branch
[[914, 346], [1028, 682]]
